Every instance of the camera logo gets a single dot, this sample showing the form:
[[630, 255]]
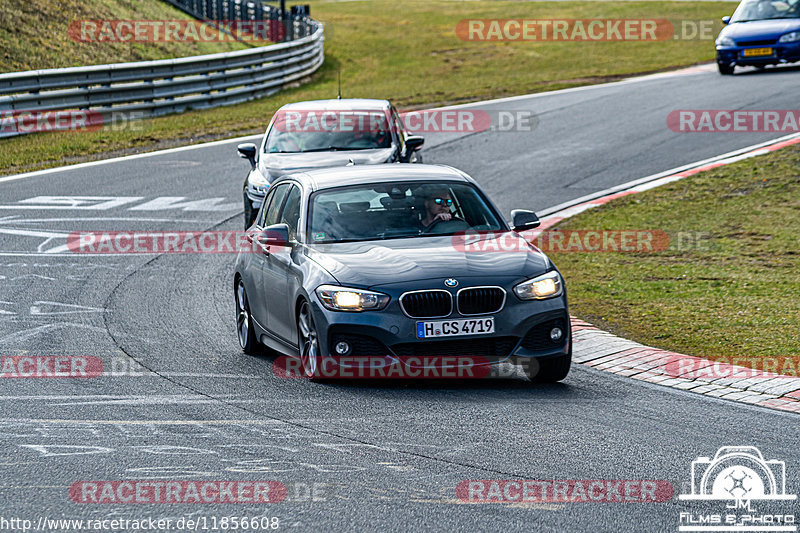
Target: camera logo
[[750, 493], [738, 473]]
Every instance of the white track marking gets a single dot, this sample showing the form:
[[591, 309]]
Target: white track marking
[[59, 450], [17, 220], [33, 233], [127, 158], [642, 184]]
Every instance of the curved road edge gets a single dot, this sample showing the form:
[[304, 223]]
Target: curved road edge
[[604, 351], [148, 152]]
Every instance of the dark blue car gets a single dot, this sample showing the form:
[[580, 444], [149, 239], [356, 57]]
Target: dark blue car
[[367, 262], [760, 33]]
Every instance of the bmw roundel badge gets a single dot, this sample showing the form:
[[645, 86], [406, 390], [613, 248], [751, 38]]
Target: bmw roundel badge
[[451, 282]]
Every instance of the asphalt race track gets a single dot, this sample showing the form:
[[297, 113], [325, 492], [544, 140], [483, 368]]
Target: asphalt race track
[[179, 401]]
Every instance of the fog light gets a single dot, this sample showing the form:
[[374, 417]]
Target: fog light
[[342, 348], [555, 334]]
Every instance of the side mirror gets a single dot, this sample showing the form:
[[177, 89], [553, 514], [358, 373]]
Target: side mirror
[[275, 235], [248, 151], [726, 20], [414, 142], [522, 220]]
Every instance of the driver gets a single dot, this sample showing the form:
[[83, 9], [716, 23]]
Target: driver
[[437, 208], [767, 10]]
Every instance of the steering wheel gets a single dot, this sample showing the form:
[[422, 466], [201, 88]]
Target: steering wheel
[[430, 228]]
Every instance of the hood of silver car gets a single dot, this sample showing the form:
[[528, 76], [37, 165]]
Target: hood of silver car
[[280, 164], [376, 263]]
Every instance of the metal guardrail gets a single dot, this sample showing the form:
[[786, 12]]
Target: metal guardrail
[[248, 10], [153, 88]]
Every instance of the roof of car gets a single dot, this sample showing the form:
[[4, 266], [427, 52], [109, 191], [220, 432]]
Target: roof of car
[[327, 178], [361, 104]]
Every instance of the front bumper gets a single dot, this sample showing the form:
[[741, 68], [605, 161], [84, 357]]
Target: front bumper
[[781, 53], [255, 197], [521, 331]]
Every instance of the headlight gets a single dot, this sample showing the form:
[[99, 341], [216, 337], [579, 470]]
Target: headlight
[[545, 286], [257, 183], [790, 37], [725, 41], [346, 299]]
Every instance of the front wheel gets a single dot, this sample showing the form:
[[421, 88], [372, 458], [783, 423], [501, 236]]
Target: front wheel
[[249, 213], [725, 69], [547, 370], [308, 343], [244, 321]]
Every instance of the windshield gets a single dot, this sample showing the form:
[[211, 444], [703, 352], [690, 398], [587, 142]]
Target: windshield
[[328, 130], [750, 10], [398, 210]]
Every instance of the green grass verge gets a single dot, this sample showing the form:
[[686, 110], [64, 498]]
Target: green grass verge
[[735, 295], [33, 35], [408, 52]]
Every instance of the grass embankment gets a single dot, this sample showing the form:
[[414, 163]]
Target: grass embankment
[[737, 294], [34, 35], [408, 52]]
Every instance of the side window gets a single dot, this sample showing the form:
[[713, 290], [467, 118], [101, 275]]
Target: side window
[[270, 213], [261, 212], [291, 211]]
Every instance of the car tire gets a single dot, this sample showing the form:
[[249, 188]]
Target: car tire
[[547, 370], [726, 69], [244, 321], [249, 216], [307, 343]]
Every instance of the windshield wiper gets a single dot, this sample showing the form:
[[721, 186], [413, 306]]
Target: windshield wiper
[[385, 237], [762, 20], [337, 241], [339, 149]]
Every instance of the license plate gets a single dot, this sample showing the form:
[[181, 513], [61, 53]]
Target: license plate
[[454, 328], [750, 52]]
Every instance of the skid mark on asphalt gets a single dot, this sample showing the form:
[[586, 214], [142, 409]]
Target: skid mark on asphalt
[[104, 203], [28, 277], [234, 457], [331, 466], [150, 400], [17, 219], [26, 335]]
